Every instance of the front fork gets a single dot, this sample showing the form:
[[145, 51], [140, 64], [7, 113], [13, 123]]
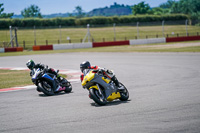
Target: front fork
[[100, 91]]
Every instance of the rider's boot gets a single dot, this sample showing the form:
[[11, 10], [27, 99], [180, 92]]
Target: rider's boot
[[115, 80], [59, 88], [60, 79]]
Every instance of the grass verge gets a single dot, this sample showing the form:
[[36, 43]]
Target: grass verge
[[16, 78]]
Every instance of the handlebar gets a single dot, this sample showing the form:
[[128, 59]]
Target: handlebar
[[44, 70], [98, 71]]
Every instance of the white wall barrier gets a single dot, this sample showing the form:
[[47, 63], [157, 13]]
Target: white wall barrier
[[147, 41], [71, 46], [82, 45], [89, 45], [2, 50]]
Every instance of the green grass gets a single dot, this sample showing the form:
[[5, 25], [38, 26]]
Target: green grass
[[15, 78], [10, 78], [76, 34]]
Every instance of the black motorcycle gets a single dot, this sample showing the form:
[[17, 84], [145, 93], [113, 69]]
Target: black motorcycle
[[48, 82]]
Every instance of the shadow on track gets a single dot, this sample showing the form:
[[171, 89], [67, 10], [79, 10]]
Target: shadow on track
[[56, 94], [113, 103]]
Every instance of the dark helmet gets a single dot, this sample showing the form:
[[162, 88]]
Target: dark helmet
[[30, 64], [84, 65]]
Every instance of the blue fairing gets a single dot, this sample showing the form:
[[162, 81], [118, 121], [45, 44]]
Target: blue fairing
[[47, 76]]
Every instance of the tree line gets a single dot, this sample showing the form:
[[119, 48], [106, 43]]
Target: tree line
[[188, 7], [93, 21]]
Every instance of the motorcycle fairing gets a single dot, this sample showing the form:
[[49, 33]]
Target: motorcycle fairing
[[110, 91], [47, 76], [106, 79], [94, 86], [113, 96], [88, 77]]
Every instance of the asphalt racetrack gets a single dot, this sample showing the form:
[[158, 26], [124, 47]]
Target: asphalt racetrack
[[164, 91]]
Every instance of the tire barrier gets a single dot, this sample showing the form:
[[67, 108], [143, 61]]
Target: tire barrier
[[180, 39], [15, 49], [116, 43], [42, 47]]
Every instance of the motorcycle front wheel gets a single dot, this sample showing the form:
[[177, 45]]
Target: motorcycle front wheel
[[46, 88], [97, 97], [124, 93]]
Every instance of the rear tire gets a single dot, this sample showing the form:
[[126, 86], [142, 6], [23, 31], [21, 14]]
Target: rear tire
[[68, 88], [124, 93], [47, 90], [96, 97]]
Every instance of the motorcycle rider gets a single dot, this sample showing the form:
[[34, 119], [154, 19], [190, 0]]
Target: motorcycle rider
[[31, 65], [85, 68]]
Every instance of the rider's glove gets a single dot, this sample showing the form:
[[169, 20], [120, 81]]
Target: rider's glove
[[101, 70], [109, 71], [84, 87], [31, 73]]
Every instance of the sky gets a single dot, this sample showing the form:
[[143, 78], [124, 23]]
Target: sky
[[64, 6]]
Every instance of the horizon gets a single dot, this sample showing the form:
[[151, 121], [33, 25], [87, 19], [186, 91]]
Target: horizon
[[68, 6]]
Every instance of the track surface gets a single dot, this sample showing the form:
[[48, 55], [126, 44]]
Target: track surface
[[164, 93]]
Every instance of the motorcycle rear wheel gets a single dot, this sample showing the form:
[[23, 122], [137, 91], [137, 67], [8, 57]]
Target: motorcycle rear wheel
[[68, 88], [124, 93], [47, 90], [96, 97]]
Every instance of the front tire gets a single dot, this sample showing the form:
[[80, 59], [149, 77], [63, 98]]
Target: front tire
[[96, 97], [46, 88], [124, 93]]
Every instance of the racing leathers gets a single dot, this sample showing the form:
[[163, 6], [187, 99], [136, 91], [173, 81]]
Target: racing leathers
[[106, 72], [49, 70]]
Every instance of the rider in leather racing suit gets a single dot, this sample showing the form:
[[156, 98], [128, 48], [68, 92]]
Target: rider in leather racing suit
[[31, 65], [85, 67]]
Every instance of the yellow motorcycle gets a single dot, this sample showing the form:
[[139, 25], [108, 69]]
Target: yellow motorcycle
[[103, 89]]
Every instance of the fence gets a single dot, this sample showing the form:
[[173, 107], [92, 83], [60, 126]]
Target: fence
[[27, 37]]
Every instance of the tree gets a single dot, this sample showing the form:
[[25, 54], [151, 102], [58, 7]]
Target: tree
[[140, 8], [190, 7], [32, 11], [168, 4], [158, 11], [79, 12], [187, 6], [1, 8], [4, 15]]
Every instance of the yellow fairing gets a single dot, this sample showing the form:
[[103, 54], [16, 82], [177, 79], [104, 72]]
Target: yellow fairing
[[114, 96], [106, 80], [88, 78], [94, 87]]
